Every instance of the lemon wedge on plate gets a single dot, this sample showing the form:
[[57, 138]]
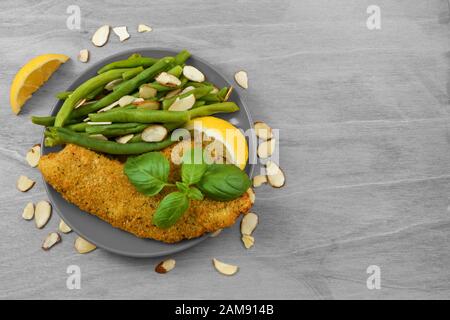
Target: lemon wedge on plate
[[224, 132], [31, 77]]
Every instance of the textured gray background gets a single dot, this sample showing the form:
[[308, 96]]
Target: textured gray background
[[364, 143]]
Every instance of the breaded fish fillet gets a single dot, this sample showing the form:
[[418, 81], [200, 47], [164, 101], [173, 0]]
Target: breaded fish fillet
[[97, 184]]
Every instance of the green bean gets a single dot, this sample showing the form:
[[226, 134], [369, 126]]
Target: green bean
[[198, 103], [211, 97], [222, 93], [135, 55], [67, 136], [197, 92], [131, 62], [78, 127], [82, 91], [115, 132], [182, 56], [95, 93], [126, 87], [47, 121], [210, 109], [141, 116], [63, 95], [132, 73], [176, 71]]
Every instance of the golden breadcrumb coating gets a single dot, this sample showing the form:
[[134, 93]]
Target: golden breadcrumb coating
[[97, 184]]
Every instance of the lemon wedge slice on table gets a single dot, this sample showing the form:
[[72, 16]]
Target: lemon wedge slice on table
[[31, 77], [231, 137]]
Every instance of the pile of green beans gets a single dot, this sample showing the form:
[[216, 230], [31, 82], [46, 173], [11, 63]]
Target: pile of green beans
[[81, 124]]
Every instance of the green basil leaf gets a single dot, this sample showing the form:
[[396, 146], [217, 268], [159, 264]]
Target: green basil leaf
[[193, 166], [170, 209], [182, 187], [148, 172], [194, 194], [224, 182]]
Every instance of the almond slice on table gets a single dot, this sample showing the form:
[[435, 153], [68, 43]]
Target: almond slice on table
[[168, 80], [51, 239], [83, 55], [229, 92], [193, 74], [28, 211], [241, 78], [101, 36], [34, 155], [42, 213], [251, 195], [165, 266], [83, 246], [259, 181], [248, 241], [183, 104], [63, 227], [275, 175], [266, 148], [154, 133], [24, 183], [262, 130], [122, 33], [144, 28], [124, 139], [249, 223], [224, 268]]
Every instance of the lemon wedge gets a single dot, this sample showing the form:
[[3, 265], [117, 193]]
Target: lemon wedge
[[31, 77], [231, 137]]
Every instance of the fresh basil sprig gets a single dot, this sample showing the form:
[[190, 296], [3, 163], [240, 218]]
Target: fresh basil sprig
[[149, 174]]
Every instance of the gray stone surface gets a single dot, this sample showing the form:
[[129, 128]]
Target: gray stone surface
[[364, 143]]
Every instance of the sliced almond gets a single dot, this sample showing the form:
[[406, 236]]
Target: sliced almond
[[100, 36], [168, 80], [229, 92], [241, 78], [266, 148], [248, 241], [224, 268], [193, 74], [98, 123], [259, 181], [183, 104], [214, 90], [187, 89], [154, 133], [172, 93], [263, 131], [51, 239], [110, 85], [83, 55], [80, 103], [83, 246], [144, 28], [251, 195], [109, 107], [122, 33], [24, 183], [42, 213], [28, 211], [275, 175], [147, 105], [34, 155], [165, 266], [138, 101], [147, 92], [126, 100], [124, 139], [63, 227], [215, 233], [98, 136], [249, 223]]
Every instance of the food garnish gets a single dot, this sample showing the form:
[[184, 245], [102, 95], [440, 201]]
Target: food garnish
[[165, 266], [63, 227], [24, 183], [34, 155], [275, 175], [42, 213], [28, 211], [193, 74], [51, 239], [224, 268], [241, 79], [249, 223], [263, 131], [259, 180], [144, 28], [101, 36], [122, 33], [248, 241], [83, 246], [266, 148], [83, 56]]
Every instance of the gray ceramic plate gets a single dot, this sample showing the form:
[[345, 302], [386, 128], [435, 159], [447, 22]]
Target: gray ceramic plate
[[103, 234]]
